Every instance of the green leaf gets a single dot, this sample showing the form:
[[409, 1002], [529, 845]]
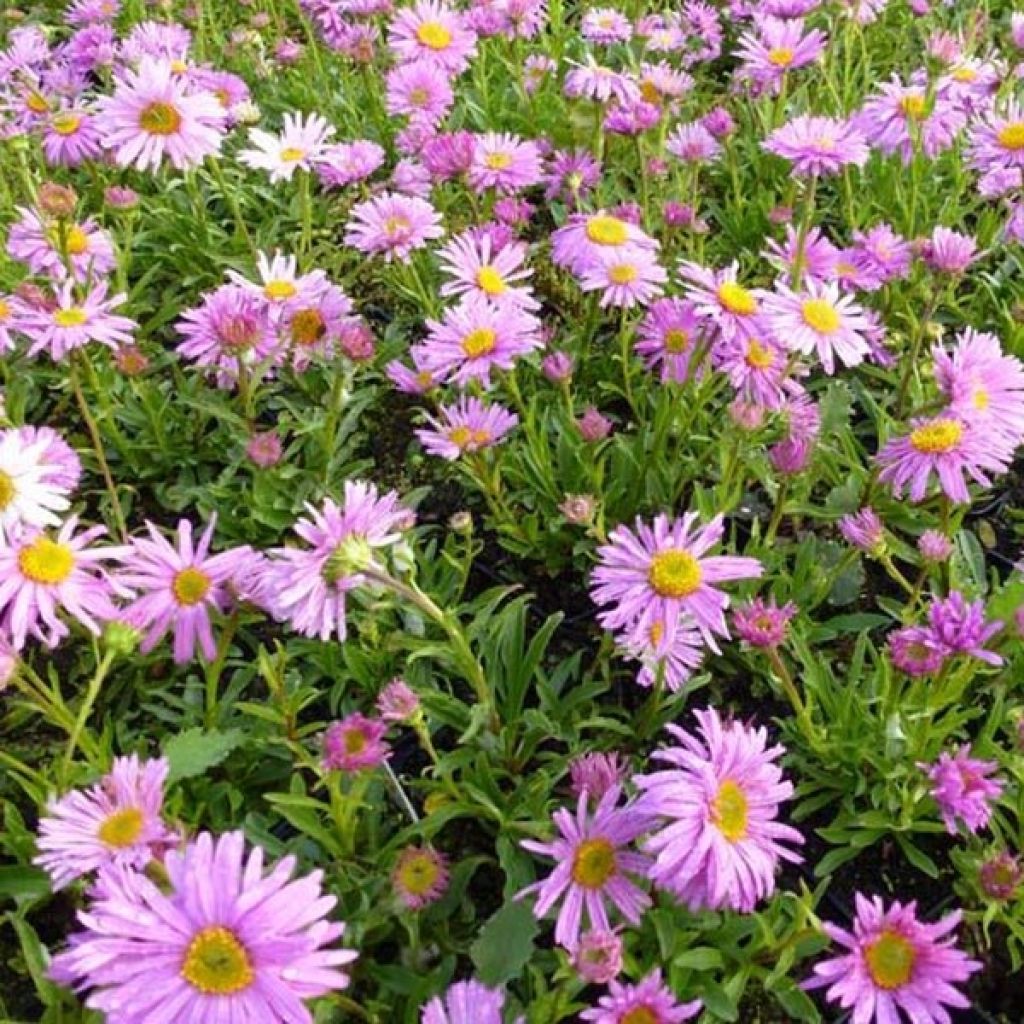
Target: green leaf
[[505, 944], [20, 883], [700, 958], [192, 752]]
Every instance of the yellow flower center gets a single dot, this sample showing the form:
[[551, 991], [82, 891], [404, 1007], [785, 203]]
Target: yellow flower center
[[292, 154], [8, 491], [216, 963], [640, 1015], [179, 67], [73, 317], [36, 103], [606, 230], [890, 960], [76, 241], [655, 633], [5, 310], [434, 35], [913, 106], [676, 339], [1012, 136], [593, 863], [964, 74], [190, 586], [649, 92], [479, 342], [418, 873], [623, 273], [279, 290], [498, 161], [937, 437], [759, 357], [419, 97], [729, 811], [66, 123], [396, 225], [489, 280], [737, 299], [355, 741], [122, 828], [460, 436], [821, 316], [160, 119], [307, 327], [45, 561], [781, 56], [674, 573], [980, 400]]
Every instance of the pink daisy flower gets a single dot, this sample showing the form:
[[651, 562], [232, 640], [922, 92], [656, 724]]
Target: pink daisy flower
[[431, 30], [153, 116], [669, 338], [63, 466], [477, 337], [626, 275], [996, 142], [947, 447], [42, 574], [720, 841], [465, 1002], [880, 255], [594, 774], [671, 657], [420, 877], [763, 624], [693, 143], [224, 939], [774, 48], [816, 255], [594, 81], [483, 270], [948, 251], [505, 162], [74, 322], [355, 743], [299, 146], [340, 543], [280, 282], [894, 962], [117, 821], [348, 162], [962, 788], [594, 864], [650, 1001], [756, 368], [419, 89], [415, 380], [178, 586], [392, 225], [916, 651], [720, 300], [466, 427], [31, 489], [606, 25], [819, 319], [71, 136], [584, 237], [39, 243], [658, 572], [314, 324], [818, 145]]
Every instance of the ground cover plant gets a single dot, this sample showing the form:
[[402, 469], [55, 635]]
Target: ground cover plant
[[509, 512]]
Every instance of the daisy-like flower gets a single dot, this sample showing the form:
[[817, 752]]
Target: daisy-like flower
[[478, 268], [340, 544], [45, 245], [818, 145], [596, 82], [819, 319], [299, 146], [63, 466], [117, 821], [584, 237], [720, 840], [572, 175], [31, 492], [693, 143], [657, 572], [153, 115], [606, 25], [392, 225], [468, 426], [280, 283], [419, 89], [431, 30], [811, 255], [916, 651], [894, 962], [997, 141], [594, 864], [597, 957], [594, 774], [650, 1001], [71, 135], [959, 627], [671, 657], [74, 322], [420, 877], [355, 743], [225, 939], [755, 366], [7, 305], [880, 255], [720, 300], [626, 275], [776, 47], [465, 1002], [348, 162], [947, 447], [864, 531], [669, 337], [477, 337], [42, 574], [178, 586], [313, 324], [949, 251], [763, 624], [505, 162], [963, 789]]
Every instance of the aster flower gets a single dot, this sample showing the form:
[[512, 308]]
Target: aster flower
[[316, 324], [431, 30], [225, 937], [894, 962], [594, 865], [468, 426], [63, 466], [934, 546], [1000, 876], [593, 425], [880, 255], [959, 627], [818, 145], [420, 877], [481, 269], [594, 774], [45, 245], [178, 586], [949, 251], [671, 656], [31, 492], [763, 624], [776, 47], [656, 572], [340, 542], [669, 337], [42, 574], [756, 367], [594, 81], [962, 788], [419, 89], [348, 162], [417, 380], [650, 1001], [597, 957], [947, 447], [572, 175], [809, 254], [582, 239], [299, 146], [74, 322], [355, 743], [863, 530], [725, 305], [465, 1002], [626, 275], [392, 225], [720, 840], [916, 651], [693, 143], [116, 821], [280, 282], [70, 137], [398, 702], [605, 25], [505, 162], [153, 116], [997, 140]]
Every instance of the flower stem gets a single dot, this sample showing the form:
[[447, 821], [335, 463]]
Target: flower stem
[[793, 695], [91, 695]]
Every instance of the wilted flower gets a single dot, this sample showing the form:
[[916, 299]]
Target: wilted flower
[[1000, 876], [420, 877], [598, 957], [397, 702], [355, 743]]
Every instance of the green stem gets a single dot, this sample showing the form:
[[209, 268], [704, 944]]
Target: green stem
[[777, 512], [231, 198], [91, 695], [216, 668], [793, 695]]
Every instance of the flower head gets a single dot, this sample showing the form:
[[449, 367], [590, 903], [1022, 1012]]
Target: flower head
[[594, 774], [818, 145], [959, 627], [355, 743], [963, 789], [299, 146], [650, 1001], [762, 624], [469, 425], [74, 321], [420, 877], [431, 30], [465, 1002], [598, 957], [392, 225]]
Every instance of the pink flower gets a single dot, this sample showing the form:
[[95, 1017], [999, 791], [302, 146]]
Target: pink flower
[[863, 530], [74, 322], [650, 1001], [818, 145], [42, 245], [348, 162], [997, 140], [420, 877], [482, 269], [763, 624], [934, 546], [598, 957], [720, 300], [465, 1002], [916, 651], [505, 162], [592, 425], [963, 790], [397, 702], [431, 30], [594, 774], [354, 744], [774, 49], [584, 237], [71, 136], [264, 449], [299, 146], [627, 276], [419, 90], [392, 225], [468, 426], [669, 338], [949, 251]]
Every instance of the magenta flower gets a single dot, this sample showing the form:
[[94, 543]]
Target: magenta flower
[[959, 627], [594, 774], [814, 256], [582, 239], [894, 962], [1000, 876], [605, 25], [756, 367], [392, 225], [73, 322], [818, 145], [916, 651], [656, 573], [880, 255], [420, 90], [934, 546], [480, 268], [71, 136], [504, 162], [668, 339], [720, 840], [863, 530], [420, 877], [355, 743], [650, 1001], [468, 426], [431, 30], [465, 1002], [398, 702], [672, 656], [39, 243], [720, 300], [693, 144], [763, 624], [997, 140], [178, 586], [626, 275], [963, 790], [348, 162], [776, 47], [572, 175], [597, 957], [226, 939], [949, 251], [594, 865]]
